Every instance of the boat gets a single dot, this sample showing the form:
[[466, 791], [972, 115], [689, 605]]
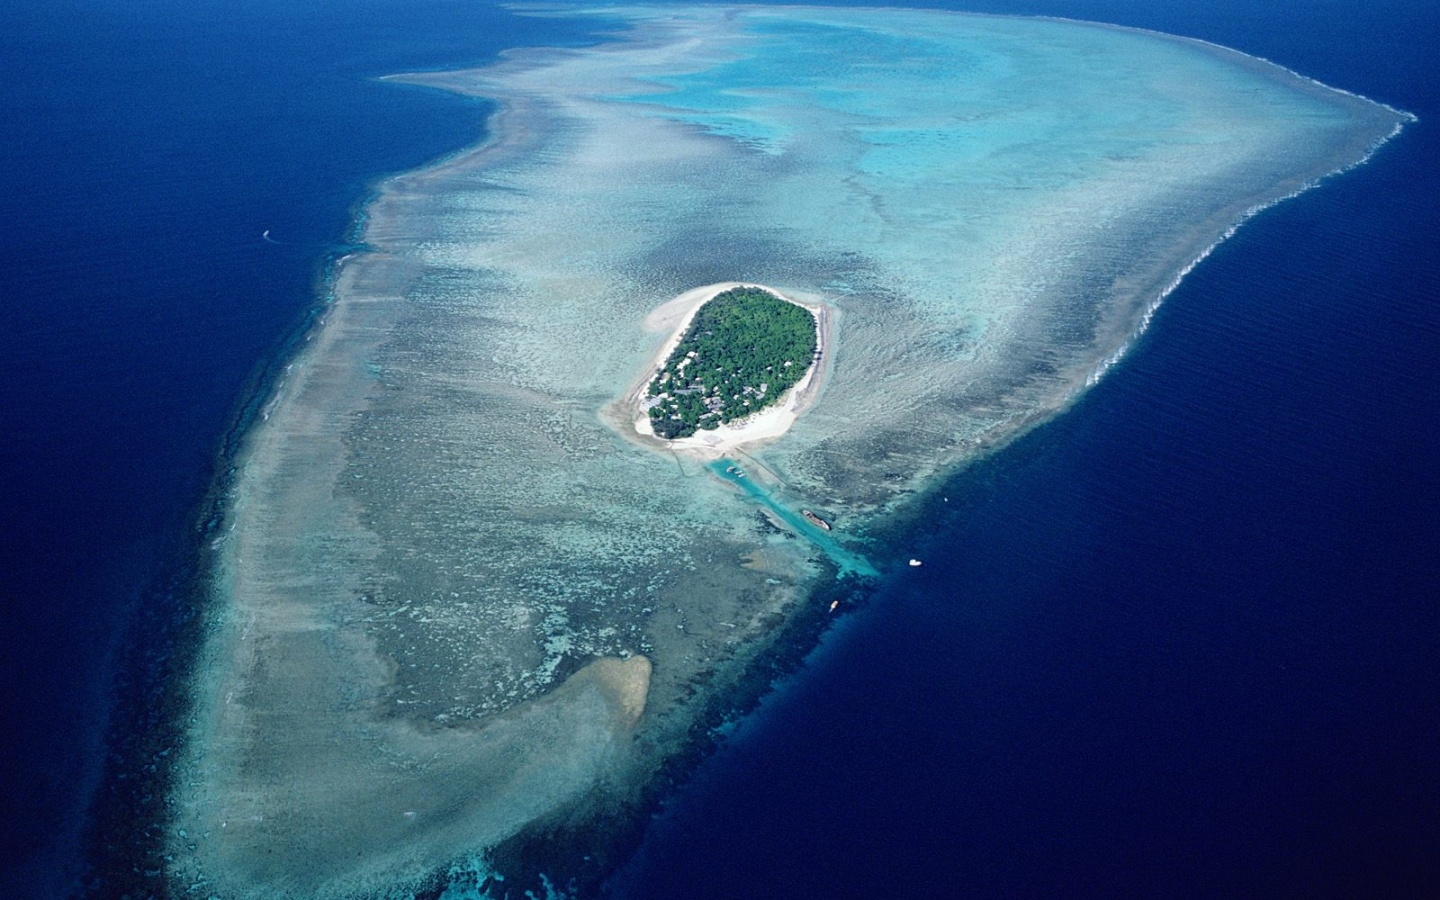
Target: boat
[[814, 519]]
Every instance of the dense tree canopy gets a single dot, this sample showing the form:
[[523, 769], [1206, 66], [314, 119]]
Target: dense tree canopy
[[743, 350]]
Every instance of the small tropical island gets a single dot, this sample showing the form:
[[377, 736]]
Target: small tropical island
[[741, 352]]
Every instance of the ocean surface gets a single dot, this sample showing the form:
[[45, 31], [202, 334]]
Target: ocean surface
[[1181, 640], [147, 150]]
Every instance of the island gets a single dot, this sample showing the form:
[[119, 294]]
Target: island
[[469, 617], [731, 399], [743, 350]]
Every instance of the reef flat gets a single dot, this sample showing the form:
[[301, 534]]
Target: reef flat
[[457, 604]]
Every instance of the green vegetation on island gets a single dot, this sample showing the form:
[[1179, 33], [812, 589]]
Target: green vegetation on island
[[743, 350]]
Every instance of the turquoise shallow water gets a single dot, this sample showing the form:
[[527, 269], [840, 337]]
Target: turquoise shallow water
[[450, 560], [991, 203], [848, 561], [146, 148], [1180, 641], [1092, 645]]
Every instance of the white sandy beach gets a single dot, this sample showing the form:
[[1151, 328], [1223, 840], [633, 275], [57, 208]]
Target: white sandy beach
[[769, 423]]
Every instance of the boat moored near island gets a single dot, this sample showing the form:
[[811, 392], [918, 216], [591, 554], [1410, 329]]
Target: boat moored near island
[[814, 519]]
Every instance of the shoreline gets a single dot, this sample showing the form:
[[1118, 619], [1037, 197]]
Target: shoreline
[[767, 424]]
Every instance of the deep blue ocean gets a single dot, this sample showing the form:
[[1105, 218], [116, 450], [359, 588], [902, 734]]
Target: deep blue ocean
[[1184, 640]]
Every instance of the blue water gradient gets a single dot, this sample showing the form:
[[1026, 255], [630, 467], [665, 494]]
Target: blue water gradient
[[146, 148], [1180, 642], [738, 473]]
